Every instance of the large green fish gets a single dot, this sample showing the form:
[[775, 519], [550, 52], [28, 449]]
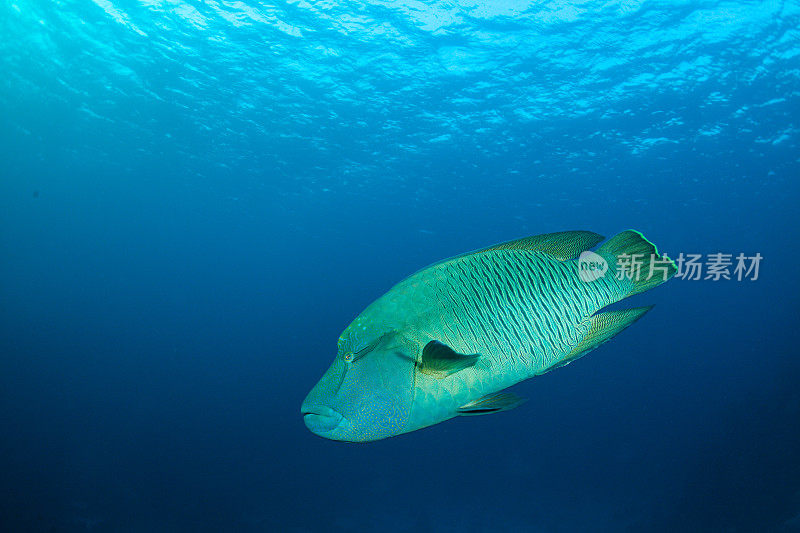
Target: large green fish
[[448, 339]]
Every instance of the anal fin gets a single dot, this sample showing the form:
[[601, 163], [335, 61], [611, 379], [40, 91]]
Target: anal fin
[[491, 403], [604, 326]]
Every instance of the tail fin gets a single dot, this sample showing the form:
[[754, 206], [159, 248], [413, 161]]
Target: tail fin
[[630, 255]]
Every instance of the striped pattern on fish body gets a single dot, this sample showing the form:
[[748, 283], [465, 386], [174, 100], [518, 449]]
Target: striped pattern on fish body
[[521, 310]]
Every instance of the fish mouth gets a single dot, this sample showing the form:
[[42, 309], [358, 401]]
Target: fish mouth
[[320, 419]]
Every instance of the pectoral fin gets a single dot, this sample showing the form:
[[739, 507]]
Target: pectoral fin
[[491, 403], [440, 360]]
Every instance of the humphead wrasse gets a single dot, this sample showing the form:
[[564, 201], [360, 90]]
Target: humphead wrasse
[[447, 340]]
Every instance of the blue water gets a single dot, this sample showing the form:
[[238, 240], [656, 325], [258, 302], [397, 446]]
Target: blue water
[[196, 197]]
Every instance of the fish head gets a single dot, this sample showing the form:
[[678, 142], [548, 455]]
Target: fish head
[[365, 395]]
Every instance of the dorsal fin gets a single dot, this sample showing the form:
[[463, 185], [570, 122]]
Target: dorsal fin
[[563, 245]]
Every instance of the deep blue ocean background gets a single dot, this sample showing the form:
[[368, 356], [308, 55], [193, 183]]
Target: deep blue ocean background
[[196, 197]]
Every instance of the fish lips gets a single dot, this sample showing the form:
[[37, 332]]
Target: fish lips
[[321, 419]]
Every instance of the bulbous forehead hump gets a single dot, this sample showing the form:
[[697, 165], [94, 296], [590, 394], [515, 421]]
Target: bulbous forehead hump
[[358, 334]]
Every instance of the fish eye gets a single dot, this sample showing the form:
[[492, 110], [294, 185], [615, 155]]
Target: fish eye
[[353, 356]]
